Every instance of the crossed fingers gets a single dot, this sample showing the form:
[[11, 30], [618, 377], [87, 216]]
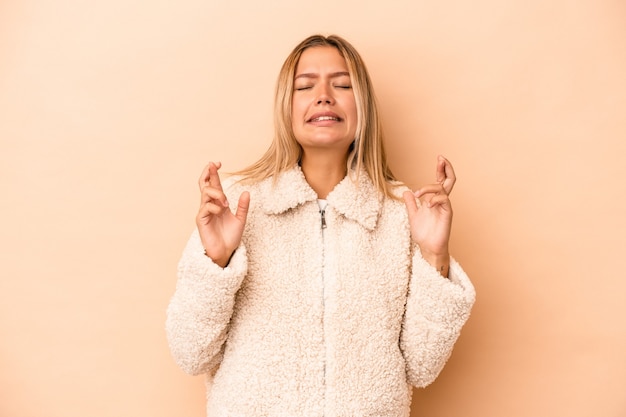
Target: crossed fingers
[[211, 192]]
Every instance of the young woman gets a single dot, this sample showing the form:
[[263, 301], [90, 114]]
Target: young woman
[[316, 284]]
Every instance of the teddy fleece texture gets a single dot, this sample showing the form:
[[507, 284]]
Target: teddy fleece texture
[[306, 321]]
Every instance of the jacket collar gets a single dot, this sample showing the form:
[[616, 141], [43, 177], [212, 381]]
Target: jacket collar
[[358, 200]]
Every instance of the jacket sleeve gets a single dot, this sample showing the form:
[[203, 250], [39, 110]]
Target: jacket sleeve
[[199, 313], [436, 310]]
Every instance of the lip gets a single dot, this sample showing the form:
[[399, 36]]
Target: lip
[[314, 118]]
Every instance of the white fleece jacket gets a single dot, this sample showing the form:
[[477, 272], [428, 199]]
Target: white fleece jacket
[[309, 323]]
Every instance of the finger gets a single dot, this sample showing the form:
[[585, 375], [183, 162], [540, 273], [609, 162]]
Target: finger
[[208, 210], [242, 206], [213, 180], [430, 189], [411, 203], [204, 177], [445, 174], [440, 174], [214, 208], [214, 177], [214, 195], [440, 200]]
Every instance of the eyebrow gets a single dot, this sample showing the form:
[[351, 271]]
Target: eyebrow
[[314, 75]]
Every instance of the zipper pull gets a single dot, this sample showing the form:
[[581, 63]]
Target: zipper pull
[[323, 213]]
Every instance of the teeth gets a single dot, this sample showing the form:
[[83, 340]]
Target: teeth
[[322, 118]]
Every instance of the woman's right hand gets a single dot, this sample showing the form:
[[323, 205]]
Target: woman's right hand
[[220, 230]]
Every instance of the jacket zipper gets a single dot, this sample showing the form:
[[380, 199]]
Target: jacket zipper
[[323, 226], [323, 213]]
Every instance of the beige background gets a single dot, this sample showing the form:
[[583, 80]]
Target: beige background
[[110, 109]]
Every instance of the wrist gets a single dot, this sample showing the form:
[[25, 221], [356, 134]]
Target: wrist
[[222, 262], [441, 262]]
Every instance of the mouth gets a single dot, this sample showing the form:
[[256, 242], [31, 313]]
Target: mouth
[[324, 117]]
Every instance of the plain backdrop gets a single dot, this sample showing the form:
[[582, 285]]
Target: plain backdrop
[[109, 110]]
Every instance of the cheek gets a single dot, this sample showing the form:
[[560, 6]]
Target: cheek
[[297, 109], [297, 115], [351, 110]]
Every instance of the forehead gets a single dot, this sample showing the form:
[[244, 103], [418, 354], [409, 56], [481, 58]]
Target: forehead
[[321, 59]]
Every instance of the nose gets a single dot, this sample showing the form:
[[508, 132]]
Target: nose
[[325, 95]]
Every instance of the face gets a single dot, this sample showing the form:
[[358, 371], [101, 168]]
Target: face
[[323, 108]]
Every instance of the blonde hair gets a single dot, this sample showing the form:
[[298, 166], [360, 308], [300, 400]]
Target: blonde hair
[[367, 152]]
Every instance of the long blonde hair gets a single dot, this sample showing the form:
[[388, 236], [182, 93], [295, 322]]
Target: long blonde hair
[[367, 152]]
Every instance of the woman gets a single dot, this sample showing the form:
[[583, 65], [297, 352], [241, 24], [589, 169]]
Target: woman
[[329, 289]]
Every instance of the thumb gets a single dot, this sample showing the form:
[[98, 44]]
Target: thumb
[[242, 206], [411, 203]]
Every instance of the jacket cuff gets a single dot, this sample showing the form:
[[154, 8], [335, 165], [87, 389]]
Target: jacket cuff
[[196, 266], [455, 293]]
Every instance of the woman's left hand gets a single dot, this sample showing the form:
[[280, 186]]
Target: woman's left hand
[[431, 219]]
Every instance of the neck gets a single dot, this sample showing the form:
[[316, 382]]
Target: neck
[[323, 171]]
